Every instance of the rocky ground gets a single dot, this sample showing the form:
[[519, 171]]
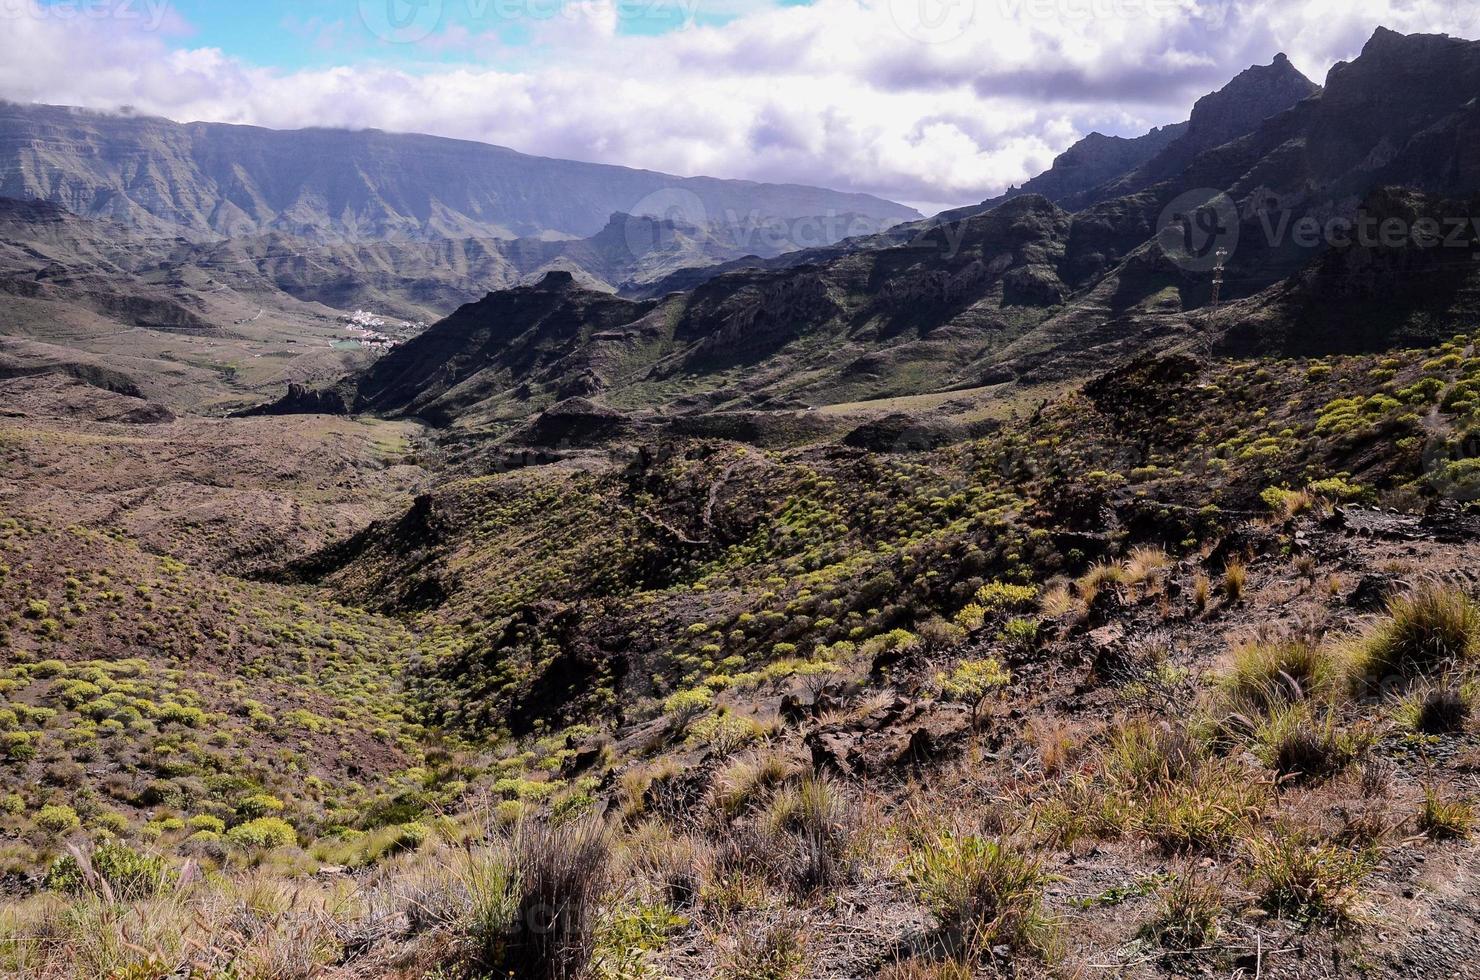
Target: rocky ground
[[1078, 687]]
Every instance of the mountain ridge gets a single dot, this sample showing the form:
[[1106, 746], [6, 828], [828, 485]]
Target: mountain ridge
[[1028, 291], [208, 181]]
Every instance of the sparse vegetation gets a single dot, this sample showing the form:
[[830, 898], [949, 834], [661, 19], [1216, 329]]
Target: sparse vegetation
[[712, 743], [1434, 629], [985, 893], [1445, 818]]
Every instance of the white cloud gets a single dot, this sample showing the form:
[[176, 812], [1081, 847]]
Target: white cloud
[[880, 95]]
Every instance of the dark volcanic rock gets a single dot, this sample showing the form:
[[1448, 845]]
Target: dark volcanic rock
[[301, 400], [573, 423], [902, 433], [1084, 166], [489, 347], [1221, 117]]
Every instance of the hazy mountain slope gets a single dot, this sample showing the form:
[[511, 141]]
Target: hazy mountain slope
[[427, 280], [209, 180], [885, 321], [268, 309]]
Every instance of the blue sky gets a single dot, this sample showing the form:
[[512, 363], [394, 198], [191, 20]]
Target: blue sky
[[322, 33], [934, 103]]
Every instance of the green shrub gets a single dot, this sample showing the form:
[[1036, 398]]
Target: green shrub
[[684, 706], [726, 733], [264, 833], [972, 682], [1021, 633], [1285, 503], [1004, 596], [408, 837], [1336, 488], [129, 874], [57, 818], [204, 821], [259, 805]]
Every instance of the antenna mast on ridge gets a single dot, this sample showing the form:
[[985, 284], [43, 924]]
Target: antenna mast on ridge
[[1218, 277]]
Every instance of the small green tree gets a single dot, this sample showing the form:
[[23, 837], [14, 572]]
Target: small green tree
[[684, 706], [972, 682]]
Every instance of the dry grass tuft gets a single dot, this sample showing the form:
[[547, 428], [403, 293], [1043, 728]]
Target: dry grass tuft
[[1235, 581], [1188, 915], [1283, 671], [1301, 876], [1428, 632], [1445, 818], [985, 893]]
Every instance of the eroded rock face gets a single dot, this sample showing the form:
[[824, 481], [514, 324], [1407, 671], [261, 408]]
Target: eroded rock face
[[573, 422], [900, 433], [302, 400], [1025, 293], [1221, 117]]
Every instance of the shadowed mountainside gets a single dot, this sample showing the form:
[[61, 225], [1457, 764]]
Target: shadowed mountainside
[[1024, 292]]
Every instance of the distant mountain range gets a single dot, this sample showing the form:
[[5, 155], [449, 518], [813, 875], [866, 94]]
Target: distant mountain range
[[210, 181], [1048, 283], [1027, 290], [112, 222]]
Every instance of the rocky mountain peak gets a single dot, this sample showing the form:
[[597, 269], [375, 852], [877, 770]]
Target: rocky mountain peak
[[1253, 96], [556, 280]]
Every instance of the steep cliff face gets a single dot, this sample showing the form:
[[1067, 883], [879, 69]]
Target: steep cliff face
[[210, 181], [1237, 109], [489, 346], [1089, 163]]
